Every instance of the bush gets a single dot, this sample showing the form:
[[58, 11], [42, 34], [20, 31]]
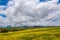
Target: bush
[[4, 30]]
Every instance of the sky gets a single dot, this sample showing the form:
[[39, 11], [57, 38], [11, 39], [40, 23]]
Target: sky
[[29, 13]]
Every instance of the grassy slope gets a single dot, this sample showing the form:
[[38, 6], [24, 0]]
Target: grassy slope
[[52, 33]]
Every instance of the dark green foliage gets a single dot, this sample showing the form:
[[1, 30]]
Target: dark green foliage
[[9, 28], [4, 30], [12, 29]]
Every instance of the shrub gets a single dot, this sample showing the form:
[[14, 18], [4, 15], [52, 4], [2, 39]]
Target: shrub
[[4, 30]]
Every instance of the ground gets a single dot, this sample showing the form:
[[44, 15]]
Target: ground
[[48, 33]]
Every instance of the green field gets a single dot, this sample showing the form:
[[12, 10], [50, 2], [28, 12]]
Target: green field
[[48, 33]]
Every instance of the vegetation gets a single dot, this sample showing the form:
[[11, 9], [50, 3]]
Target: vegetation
[[45, 33]]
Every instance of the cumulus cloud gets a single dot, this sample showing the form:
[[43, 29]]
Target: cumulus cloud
[[31, 13]]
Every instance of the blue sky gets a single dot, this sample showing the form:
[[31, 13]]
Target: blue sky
[[42, 0], [49, 0], [59, 1], [2, 15], [3, 2]]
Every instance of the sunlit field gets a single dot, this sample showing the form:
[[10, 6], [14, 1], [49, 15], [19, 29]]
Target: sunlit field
[[48, 33]]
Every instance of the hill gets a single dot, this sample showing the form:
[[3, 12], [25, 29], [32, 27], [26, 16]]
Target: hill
[[48, 33]]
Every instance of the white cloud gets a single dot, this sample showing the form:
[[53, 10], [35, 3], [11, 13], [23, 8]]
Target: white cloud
[[32, 12]]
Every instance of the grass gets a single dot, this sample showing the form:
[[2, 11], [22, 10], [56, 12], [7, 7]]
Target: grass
[[48, 33]]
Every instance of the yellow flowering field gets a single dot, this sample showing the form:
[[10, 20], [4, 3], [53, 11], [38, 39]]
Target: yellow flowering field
[[48, 33]]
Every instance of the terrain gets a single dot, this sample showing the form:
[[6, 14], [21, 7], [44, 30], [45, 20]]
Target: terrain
[[45, 33]]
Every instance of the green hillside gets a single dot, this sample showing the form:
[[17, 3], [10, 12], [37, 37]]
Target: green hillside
[[51, 33]]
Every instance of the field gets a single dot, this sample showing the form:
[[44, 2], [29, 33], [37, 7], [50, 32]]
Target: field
[[48, 33]]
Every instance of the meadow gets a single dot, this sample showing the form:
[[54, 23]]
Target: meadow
[[45, 33]]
